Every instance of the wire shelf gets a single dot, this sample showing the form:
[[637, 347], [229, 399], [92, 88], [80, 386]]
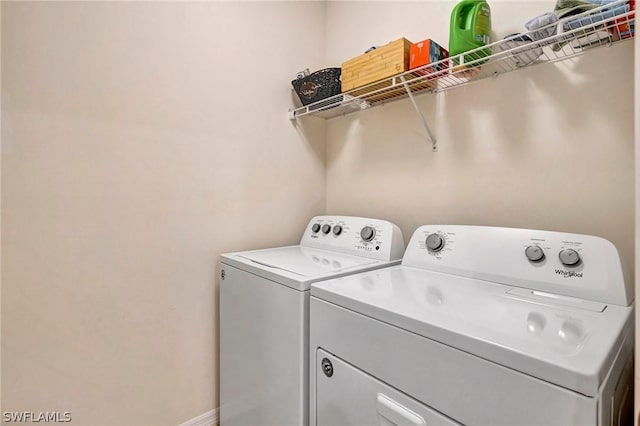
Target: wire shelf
[[571, 36]]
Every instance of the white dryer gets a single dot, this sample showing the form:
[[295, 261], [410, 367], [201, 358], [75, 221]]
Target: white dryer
[[264, 314], [478, 326]]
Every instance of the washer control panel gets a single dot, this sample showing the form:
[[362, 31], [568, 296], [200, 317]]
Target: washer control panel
[[567, 264], [374, 238]]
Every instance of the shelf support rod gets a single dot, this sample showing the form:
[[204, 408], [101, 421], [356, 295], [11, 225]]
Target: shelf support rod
[[434, 146]]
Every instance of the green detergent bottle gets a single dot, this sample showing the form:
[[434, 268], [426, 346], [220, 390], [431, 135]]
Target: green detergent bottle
[[470, 29]]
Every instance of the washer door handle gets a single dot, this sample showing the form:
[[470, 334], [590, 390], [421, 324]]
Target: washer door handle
[[391, 413]]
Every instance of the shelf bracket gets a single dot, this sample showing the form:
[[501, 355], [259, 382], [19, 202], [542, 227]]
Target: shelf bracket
[[434, 146]]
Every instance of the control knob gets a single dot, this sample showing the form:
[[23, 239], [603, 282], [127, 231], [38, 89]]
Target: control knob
[[337, 230], [569, 257], [315, 228], [367, 233], [326, 229], [435, 243], [534, 253]]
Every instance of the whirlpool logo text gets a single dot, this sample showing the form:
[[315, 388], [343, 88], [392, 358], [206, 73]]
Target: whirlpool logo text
[[569, 274]]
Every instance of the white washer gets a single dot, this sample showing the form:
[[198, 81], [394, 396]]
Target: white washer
[[478, 326], [264, 314]]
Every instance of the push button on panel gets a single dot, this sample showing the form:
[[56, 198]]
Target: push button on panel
[[327, 367]]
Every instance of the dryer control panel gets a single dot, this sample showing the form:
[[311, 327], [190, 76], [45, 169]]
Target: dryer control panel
[[575, 265], [372, 238]]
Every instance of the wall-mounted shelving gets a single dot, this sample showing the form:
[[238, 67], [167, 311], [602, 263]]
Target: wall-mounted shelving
[[571, 36]]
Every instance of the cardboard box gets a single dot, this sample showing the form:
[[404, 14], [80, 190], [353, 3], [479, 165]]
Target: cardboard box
[[427, 52], [383, 62]]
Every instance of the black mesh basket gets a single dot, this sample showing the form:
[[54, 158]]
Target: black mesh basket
[[319, 85]]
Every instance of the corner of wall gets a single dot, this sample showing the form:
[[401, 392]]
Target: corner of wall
[[637, 232]]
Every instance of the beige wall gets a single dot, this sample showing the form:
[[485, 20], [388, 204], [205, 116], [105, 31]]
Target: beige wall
[[140, 141], [550, 147]]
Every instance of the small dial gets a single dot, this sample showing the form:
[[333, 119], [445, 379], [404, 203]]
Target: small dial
[[326, 229], [337, 230], [534, 253], [315, 228], [569, 257], [367, 233], [435, 243]]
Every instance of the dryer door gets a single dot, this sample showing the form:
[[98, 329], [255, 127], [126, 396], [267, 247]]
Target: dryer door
[[346, 395]]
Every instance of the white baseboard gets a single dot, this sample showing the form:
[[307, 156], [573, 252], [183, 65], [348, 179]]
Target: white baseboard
[[210, 418]]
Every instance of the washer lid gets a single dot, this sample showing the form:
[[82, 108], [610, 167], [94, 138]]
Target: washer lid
[[304, 261], [561, 341], [297, 266]]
